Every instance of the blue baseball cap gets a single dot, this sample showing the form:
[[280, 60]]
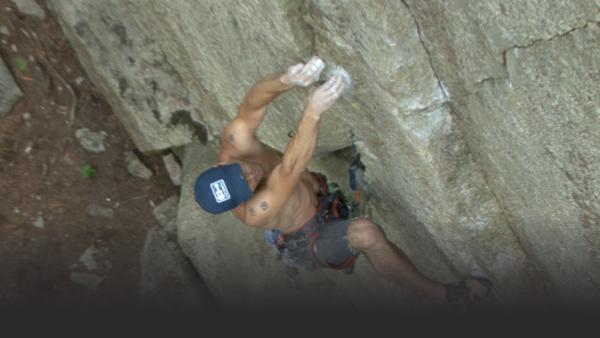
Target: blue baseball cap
[[222, 188]]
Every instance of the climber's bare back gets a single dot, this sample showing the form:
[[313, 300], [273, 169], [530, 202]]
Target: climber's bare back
[[302, 203]]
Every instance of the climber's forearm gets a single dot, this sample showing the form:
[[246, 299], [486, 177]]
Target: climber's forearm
[[301, 148], [239, 136], [253, 108]]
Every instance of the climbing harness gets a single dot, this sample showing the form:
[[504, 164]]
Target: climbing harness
[[332, 206]]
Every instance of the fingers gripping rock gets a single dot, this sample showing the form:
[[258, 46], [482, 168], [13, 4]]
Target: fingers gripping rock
[[305, 74], [337, 86], [334, 70], [295, 69], [325, 96]]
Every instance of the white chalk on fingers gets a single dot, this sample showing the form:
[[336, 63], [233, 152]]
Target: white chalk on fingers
[[319, 70], [328, 84], [316, 69], [336, 91], [311, 69], [295, 69], [336, 82], [334, 70], [315, 59], [319, 64], [316, 63], [330, 81], [343, 74]]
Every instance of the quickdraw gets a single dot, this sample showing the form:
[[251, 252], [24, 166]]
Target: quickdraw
[[355, 174]]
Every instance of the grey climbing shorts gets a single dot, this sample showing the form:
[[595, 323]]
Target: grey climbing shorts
[[319, 245]]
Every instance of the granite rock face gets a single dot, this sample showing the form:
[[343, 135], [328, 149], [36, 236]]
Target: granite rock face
[[524, 83], [168, 280], [9, 90], [173, 168], [30, 7], [166, 214], [476, 121], [136, 167]]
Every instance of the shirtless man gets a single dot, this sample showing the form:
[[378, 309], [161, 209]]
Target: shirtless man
[[266, 189]]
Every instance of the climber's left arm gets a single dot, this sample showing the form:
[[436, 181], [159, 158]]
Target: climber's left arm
[[240, 133]]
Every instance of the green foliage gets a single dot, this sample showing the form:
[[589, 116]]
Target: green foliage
[[87, 171], [21, 63]]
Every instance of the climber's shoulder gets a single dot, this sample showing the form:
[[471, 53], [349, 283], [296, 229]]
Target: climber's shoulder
[[237, 144]]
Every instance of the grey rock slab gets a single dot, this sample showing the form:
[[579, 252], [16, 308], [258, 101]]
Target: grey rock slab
[[100, 211], [470, 38], [4, 30], [150, 88], [158, 67], [9, 90], [173, 168], [550, 104], [525, 88], [30, 7], [179, 153], [89, 280], [92, 141], [136, 167], [403, 123], [167, 278], [378, 44], [166, 214]]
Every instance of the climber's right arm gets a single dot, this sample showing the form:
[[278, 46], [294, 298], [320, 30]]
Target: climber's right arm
[[240, 133], [265, 205]]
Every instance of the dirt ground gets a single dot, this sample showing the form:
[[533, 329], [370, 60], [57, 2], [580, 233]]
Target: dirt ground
[[40, 178]]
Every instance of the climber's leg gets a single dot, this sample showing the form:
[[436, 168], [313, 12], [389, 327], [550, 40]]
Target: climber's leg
[[391, 263], [388, 260]]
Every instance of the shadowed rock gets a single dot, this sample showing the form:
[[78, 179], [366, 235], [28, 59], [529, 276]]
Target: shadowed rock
[[30, 7], [136, 167], [9, 90], [166, 214], [168, 280], [173, 168]]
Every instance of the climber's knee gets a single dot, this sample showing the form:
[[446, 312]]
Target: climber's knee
[[363, 234]]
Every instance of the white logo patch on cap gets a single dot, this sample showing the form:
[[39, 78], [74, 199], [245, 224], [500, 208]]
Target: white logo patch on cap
[[219, 190]]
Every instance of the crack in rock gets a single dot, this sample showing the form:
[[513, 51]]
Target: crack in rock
[[533, 43], [429, 57]]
